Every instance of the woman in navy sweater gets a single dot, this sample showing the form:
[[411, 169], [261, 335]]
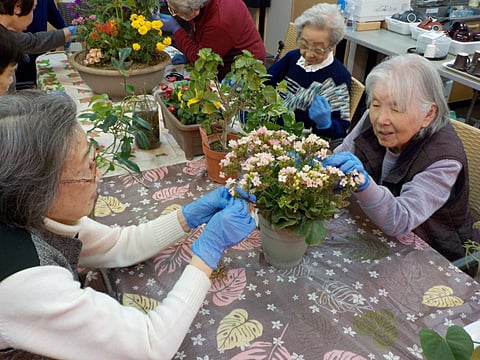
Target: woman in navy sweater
[[318, 83]]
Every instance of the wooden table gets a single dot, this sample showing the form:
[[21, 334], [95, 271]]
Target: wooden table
[[360, 293]]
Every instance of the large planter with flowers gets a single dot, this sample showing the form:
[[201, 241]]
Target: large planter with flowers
[[186, 136], [112, 82]]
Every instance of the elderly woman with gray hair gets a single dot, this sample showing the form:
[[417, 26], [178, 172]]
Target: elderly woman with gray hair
[[225, 26], [318, 83], [413, 165], [48, 186]]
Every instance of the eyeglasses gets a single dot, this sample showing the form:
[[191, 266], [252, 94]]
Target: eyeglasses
[[178, 13], [318, 51], [92, 155]]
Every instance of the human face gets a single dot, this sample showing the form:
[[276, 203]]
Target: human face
[[20, 23], [6, 78], [314, 45], [77, 191], [187, 16], [393, 127]]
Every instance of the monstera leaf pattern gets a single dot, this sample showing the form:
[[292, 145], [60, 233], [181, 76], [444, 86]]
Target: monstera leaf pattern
[[106, 205], [228, 288], [253, 241], [362, 247], [441, 296], [170, 193], [195, 167], [152, 175], [342, 355], [236, 330], [339, 297], [380, 325], [140, 302], [263, 350]]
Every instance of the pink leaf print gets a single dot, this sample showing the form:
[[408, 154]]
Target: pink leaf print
[[155, 174], [412, 239], [227, 289], [195, 167], [342, 355], [263, 350], [171, 258], [251, 242], [171, 193]]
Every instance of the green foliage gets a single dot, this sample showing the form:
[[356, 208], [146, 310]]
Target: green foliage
[[244, 88], [456, 345], [119, 120]]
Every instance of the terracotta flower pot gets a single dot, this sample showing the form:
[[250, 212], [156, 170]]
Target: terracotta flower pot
[[111, 82]]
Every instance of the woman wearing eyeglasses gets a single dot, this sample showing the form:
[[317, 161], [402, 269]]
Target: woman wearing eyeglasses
[[225, 26], [318, 83], [48, 186]]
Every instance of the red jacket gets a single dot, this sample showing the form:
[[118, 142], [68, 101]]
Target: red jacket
[[225, 26]]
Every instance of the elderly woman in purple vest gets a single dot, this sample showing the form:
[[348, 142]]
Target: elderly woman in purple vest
[[412, 161]]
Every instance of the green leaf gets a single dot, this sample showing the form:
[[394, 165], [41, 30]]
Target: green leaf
[[460, 342], [315, 232], [434, 346]]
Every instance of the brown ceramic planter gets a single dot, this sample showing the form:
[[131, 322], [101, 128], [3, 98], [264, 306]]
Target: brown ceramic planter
[[213, 158], [187, 136]]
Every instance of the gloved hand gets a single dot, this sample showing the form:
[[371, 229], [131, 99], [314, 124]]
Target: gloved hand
[[169, 23], [179, 59], [320, 112], [347, 162], [225, 229], [72, 29]]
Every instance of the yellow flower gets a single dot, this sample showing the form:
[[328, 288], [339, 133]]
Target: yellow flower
[[135, 24], [148, 25], [157, 24], [136, 46], [167, 41], [160, 46], [133, 17], [217, 105], [195, 100], [141, 17], [142, 30]]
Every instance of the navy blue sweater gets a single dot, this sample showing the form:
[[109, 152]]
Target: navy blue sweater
[[302, 85]]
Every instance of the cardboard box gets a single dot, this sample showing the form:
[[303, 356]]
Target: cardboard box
[[370, 25], [375, 10]]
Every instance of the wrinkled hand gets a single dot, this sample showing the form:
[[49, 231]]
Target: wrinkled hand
[[169, 23], [224, 230], [347, 162], [320, 112], [179, 59]]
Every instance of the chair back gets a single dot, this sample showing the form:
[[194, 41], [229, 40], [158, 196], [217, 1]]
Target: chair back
[[356, 92], [290, 41], [470, 137]]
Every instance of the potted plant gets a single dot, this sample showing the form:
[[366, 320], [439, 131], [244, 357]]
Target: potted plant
[[296, 194], [242, 91], [180, 119], [106, 27]]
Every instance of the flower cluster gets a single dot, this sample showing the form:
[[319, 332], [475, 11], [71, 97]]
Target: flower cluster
[[294, 190], [105, 27], [172, 95]]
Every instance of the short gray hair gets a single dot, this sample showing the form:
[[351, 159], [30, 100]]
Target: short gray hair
[[412, 80], [36, 134], [323, 17], [186, 6]]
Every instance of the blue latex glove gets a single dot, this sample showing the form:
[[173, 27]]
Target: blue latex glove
[[347, 162], [320, 112], [200, 211], [72, 29], [169, 23], [224, 230], [179, 59]]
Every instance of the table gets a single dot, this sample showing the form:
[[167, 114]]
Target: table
[[359, 295], [390, 43], [54, 73]]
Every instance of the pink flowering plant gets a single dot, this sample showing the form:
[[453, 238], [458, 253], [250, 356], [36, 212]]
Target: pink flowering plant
[[107, 27], [294, 190]]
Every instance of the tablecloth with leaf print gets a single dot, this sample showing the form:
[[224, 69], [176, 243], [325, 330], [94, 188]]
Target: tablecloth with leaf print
[[359, 295]]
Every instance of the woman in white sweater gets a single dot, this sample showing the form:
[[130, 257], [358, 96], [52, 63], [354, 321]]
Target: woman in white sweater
[[48, 183]]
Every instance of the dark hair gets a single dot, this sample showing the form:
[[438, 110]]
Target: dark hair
[[7, 7], [37, 131], [11, 53]]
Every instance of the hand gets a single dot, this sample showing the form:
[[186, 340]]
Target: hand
[[169, 23], [73, 30], [347, 162], [320, 112], [179, 59], [224, 230]]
